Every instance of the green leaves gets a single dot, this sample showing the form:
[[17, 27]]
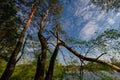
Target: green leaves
[[7, 10], [113, 34], [107, 5], [9, 25]]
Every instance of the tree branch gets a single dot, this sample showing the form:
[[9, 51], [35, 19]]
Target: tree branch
[[100, 55], [91, 59], [86, 58], [42, 21]]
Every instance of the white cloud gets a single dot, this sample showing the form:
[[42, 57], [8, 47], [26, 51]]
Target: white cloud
[[110, 21], [100, 16], [89, 30], [118, 14], [85, 2], [88, 15], [82, 9]]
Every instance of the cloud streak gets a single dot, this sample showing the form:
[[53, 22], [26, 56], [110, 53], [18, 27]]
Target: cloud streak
[[89, 30], [110, 21]]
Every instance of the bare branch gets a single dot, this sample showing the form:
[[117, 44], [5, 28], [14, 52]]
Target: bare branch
[[100, 55], [63, 56], [41, 25], [47, 22]]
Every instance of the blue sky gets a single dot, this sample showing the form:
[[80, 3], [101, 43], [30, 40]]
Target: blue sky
[[81, 19]]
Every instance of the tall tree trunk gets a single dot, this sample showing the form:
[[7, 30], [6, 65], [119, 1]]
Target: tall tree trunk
[[40, 70], [49, 73], [41, 59], [13, 58]]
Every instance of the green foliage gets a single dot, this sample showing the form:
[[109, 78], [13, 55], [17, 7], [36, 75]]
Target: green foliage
[[107, 78], [58, 71], [101, 41], [72, 40], [111, 34], [107, 4], [24, 72], [7, 10], [115, 61], [91, 66], [9, 25], [56, 7], [104, 40], [104, 76], [27, 71], [57, 28], [2, 66]]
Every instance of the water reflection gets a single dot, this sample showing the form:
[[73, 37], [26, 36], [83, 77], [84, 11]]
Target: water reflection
[[101, 75]]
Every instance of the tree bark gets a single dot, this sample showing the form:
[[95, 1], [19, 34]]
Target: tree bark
[[41, 59], [13, 58], [49, 73], [90, 59], [40, 70]]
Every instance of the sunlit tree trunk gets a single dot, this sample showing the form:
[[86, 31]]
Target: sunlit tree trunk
[[13, 58]]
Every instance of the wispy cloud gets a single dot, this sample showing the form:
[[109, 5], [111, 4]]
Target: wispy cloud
[[89, 30], [101, 16], [110, 21], [81, 9], [81, 13], [118, 14], [88, 15]]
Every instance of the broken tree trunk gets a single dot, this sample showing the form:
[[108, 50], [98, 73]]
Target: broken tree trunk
[[90, 59]]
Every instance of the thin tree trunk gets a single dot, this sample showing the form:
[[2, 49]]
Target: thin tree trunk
[[49, 73], [13, 58], [41, 59], [90, 59], [40, 70]]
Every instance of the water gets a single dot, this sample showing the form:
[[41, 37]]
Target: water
[[101, 75]]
